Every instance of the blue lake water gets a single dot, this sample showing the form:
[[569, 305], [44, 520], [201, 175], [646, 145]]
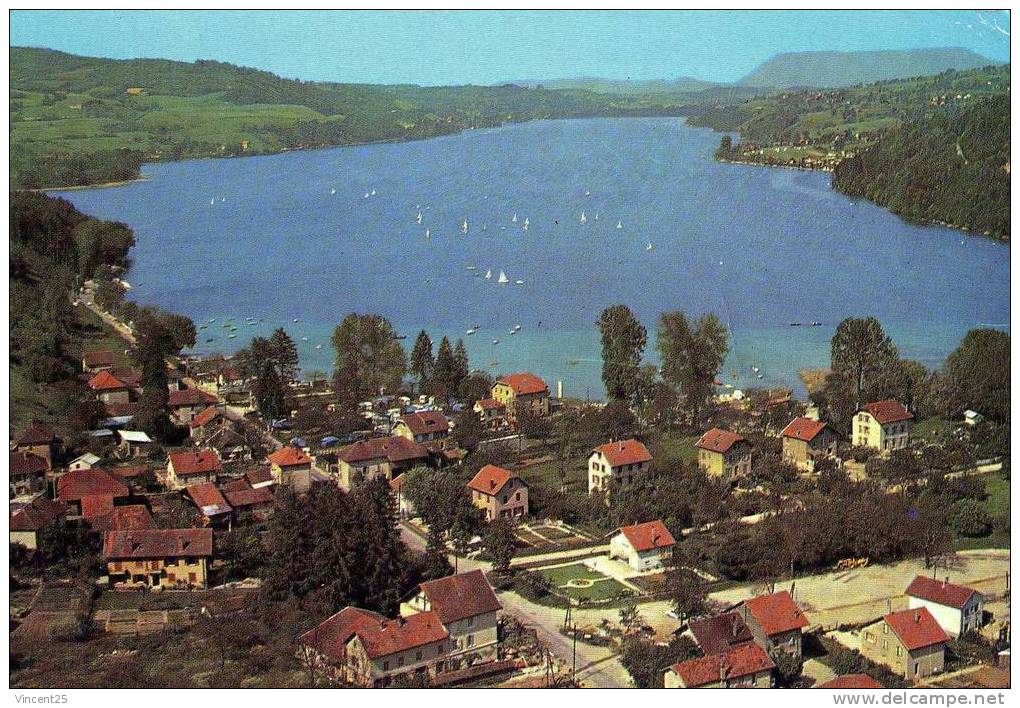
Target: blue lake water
[[760, 247]]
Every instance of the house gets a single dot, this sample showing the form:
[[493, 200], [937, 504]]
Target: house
[[972, 417], [209, 500], [94, 362], [491, 412], [186, 468], [521, 392], [467, 607], [500, 493], [187, 403], [423, 426], [405, 507], [38, 439], [644, 546], [724, 454], [618, 463], [158, 557], [249, 503], [363, 648], [208, 421], [745, 666], [910, 642], [75, 486], [775, 622], [109, 389], [136, 476], [229, 445], [134, 443], [719, 634], [83, 462], [291, 466], [259, 477], [851, 682], [27, 473], [883, 425], [805, 441], [378, 457], [123, 518], [27, 520], [957, 609]]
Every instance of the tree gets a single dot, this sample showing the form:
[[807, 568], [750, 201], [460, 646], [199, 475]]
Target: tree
[[686, 593], [468, 430], [422, 360], [691, 356], [475, 386], [788, 668], [623, 342], [978, 373], [445, 372], [646, 661], [369, 357], [284, 354], [860, 351], [269, 392], [159, 336], [436, 564], [500, 542], [461, 366], [630, 617], [970, 518]]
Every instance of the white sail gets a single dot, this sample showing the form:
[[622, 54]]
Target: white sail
[[428, 233], [514, 220], [649, 246], [619, 224], [488, 274], [503, 280], [464, 227], [596, 216], [417, 219], [332, 191], [584, 219]]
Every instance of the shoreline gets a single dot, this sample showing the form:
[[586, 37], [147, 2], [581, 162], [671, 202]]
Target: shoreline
[[98, 185]]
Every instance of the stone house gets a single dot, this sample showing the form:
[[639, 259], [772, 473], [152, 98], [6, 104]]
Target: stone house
[[910, 642]]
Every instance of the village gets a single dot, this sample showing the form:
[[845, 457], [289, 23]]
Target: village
[[553, 555]]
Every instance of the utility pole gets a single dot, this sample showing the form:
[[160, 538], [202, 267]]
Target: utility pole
[[573, 657]]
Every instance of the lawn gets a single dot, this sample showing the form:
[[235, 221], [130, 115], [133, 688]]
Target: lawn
[[547, 476], [676, 446], [997, 505], [932, 430], [603, 588]]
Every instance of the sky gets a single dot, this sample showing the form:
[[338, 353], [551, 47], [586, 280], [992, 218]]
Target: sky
[[485, 47]]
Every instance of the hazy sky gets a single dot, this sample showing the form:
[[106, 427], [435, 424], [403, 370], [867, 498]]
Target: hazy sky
[[452, 47]]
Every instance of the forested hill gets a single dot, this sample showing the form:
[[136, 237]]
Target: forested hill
[[951, 168], [838, 69], [82, 120]]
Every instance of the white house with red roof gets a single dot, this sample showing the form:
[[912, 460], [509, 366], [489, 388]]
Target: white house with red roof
[[775, 622], [957, 608], [378, 457], [110, 389], [806, 441], [745, 666], [882, 425], [521, 392], [646, 546], [620, 462], [502, 494]]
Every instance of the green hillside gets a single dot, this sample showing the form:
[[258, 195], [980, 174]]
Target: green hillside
[[82, 120]]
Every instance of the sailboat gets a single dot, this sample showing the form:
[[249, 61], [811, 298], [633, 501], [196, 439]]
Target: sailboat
[[649, 246], [428, 233], [587, 193], [332, 191], [373, 192], [488, 274], [514, 219], [526, 223], [503, 280], [519, 282], [584, 219], [213, 200], [464, 227], [367, 195], [417, 219], [619, 224]]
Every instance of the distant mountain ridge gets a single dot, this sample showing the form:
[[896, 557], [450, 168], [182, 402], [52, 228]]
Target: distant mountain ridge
[[839, 69]]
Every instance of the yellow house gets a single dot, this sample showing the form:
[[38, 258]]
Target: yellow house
[[724, 454], [909, 642], [521, 392], [172, 558], [883, 425], [423, 426]]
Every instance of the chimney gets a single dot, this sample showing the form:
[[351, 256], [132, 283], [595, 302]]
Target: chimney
[[492, 484], [917, 616]]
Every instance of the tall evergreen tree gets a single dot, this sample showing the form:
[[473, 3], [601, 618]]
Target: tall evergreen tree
[[422, 360], [285, 355], [461, 366], [623, 342], [444, 375]]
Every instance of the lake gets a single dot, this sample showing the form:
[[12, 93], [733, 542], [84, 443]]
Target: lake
[[760, 247]]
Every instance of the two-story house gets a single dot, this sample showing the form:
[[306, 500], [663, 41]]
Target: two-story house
[[883, 425], [291, 467], [745, 666], [158, 557], [27, 473], [775, 622], [207, 422], [724, 454], [617, 463], [910, 642], [491, 412], [185, 404], [73, 488], [805, 441], [502, 494], [109, 389], [521, 392], [186, 468], [378, 457], [957, 609], [646, 546], [38, 439], [423, 426], [94, 362]]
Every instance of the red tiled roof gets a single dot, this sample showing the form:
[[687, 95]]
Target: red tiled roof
[[380, 636], [41, 512], [490, 479], [720, 633], [489, 404], [76, 484], [124, 518], [524, 383], [158, 543], [425, 422], [206, 416], [240, 496], [289, 456], [330, 637], [393, 448], [888, 411], [916, 628], [208, 499], [131, 377], [121, 408], [96, 505], [36, 434], [458, 597], [647, 536], [719, 440], [940, 592], [259, 475], [744, 660], [776, 613], [803, 429], [96, 359], [105, 381], [851, 681], [23, 462], [131, 471], [624, 452], [191, 397], [199, 462]]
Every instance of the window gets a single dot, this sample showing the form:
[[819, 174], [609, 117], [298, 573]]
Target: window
[[471, 640], [400, 660], [439, 650], [386, 666], [517, 497], [192, 578], [899, 650], [917, 669], [470, 621], [417, 656]]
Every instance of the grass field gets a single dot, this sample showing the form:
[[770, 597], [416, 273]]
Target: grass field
[[603, 588], [675, 445], [997, 505]]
